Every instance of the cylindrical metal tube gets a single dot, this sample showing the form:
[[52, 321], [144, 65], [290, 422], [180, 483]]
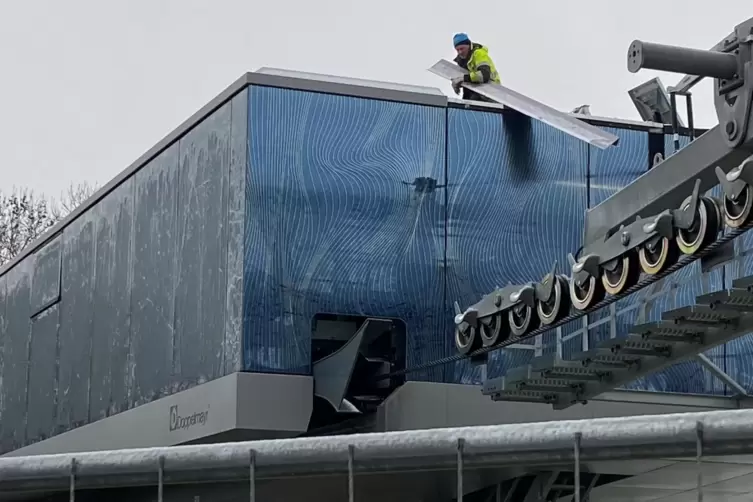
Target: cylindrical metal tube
[[252, 476], [72, 486], [161, 479], [699, 454], [689, 107], [459, 472], [649, 56], [351, 474], [576, 456]]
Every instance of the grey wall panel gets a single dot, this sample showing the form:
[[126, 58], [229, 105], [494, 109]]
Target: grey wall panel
[[236, 187], [113, 217], [45, 284], [154, 276], [139, 296], [43, 370], [15, 354], [76, 315], [202, 251]]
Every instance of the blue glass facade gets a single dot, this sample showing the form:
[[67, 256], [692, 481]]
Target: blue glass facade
[[365, 207], [345, 214]]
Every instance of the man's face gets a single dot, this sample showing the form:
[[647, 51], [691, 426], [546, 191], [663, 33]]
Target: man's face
[[463, 50]]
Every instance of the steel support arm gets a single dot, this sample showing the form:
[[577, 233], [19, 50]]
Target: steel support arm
[[726, 145], [667, 184]]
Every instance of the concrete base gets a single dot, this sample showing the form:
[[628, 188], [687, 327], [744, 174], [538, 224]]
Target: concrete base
[[240, 406]]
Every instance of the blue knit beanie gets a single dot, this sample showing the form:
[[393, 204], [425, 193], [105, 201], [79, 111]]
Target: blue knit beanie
[[460, 39]]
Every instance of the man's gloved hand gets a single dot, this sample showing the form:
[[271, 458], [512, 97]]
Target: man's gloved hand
[[456, 83]]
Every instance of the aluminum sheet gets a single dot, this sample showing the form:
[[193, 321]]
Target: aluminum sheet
[[527, 106]]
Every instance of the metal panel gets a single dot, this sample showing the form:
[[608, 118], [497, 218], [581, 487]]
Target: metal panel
[[45, 285], [600, 122], [517, 194], [43, 384], [236, 217], [345, 214], [153, 291], [201, 289], [531, 107], [15, 356], [76, 316], [110, 378]]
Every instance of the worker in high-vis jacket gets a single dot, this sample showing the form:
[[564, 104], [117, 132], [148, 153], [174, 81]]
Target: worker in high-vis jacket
[[475, 58]]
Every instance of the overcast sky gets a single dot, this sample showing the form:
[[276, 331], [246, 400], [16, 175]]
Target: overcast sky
[[86, 86]]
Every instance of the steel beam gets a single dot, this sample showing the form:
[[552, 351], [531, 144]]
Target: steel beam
[[667, 184], [722, 375]]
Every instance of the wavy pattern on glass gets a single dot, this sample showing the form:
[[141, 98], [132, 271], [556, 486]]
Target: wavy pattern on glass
[[344, 214], [516, 199]]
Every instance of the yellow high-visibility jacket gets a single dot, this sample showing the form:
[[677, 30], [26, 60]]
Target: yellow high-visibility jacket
[[480, 66]]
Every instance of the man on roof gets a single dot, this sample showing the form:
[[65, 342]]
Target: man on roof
[[473, 57]]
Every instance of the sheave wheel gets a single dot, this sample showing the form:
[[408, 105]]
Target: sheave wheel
[[625, 274], [586, 296], [467, 340], [522, 320], [737, 212], [655, 258], [704, 229], [493, 330], [557, 305]]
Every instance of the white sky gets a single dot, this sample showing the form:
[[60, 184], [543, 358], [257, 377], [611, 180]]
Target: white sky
[[87, 86]]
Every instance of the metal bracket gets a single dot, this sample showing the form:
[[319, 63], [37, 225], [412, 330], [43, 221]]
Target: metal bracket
[[332, 373]]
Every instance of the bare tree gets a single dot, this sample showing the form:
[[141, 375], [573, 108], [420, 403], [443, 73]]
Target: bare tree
[[24, 216], [71, 199]]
